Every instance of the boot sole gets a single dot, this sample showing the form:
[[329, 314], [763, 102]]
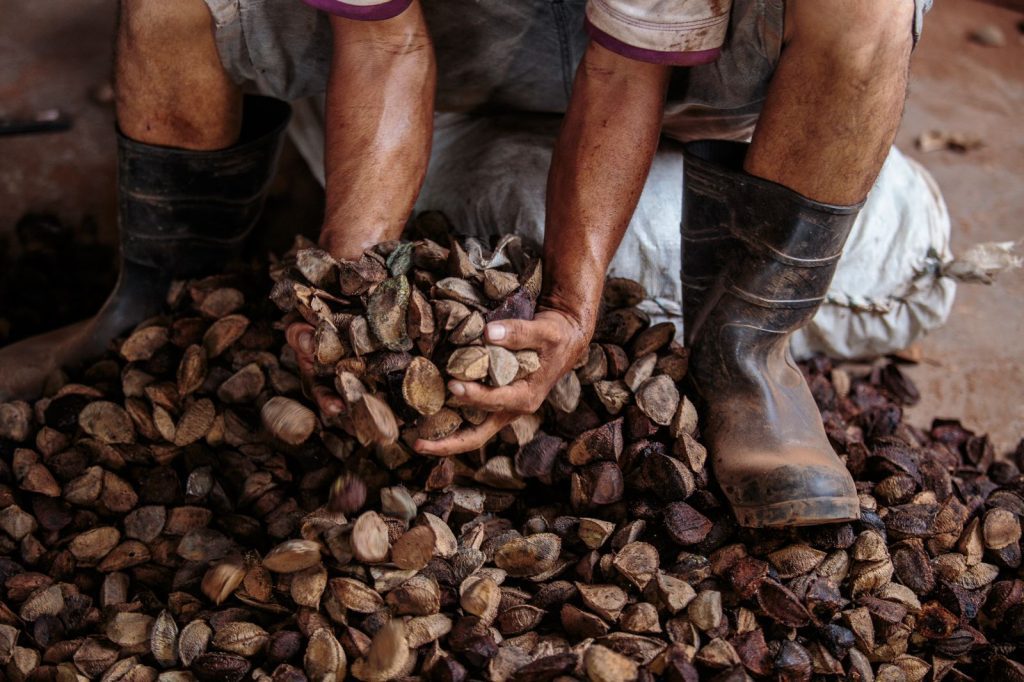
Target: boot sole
[[810, 512]]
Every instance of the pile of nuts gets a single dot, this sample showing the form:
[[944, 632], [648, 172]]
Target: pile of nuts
[[181, 511]]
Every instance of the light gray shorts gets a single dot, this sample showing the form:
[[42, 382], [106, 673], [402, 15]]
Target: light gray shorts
[[502, 55]]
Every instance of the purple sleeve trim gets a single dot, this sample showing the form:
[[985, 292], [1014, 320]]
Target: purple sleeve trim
[[378, 12], [692, 58]]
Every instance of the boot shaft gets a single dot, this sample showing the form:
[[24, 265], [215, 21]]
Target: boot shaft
[[185, 213], [755, 242]]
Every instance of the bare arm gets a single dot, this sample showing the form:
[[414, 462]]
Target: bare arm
[[380, 107], [598, 170], [379, 126]]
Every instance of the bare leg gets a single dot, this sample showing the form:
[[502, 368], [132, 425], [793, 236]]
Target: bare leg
[[171, 92], [832, 110], [836, 99], [170, 86]]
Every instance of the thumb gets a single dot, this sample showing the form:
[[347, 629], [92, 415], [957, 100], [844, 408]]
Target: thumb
[[517, 334]]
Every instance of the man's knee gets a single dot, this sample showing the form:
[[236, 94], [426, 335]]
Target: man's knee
[[861, 36], [155, 23]]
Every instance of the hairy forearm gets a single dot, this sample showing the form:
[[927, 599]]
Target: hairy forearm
[[379, 124], [598, 170]]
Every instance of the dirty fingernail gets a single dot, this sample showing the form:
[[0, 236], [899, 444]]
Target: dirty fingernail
[[495, 332], [458, 389], [306, 343]]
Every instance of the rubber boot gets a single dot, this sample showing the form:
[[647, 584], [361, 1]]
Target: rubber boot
[[763, 429], [181, 213]]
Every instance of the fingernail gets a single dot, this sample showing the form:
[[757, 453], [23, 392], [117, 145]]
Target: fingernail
[[458, 389], [306, 343], [495, 332]]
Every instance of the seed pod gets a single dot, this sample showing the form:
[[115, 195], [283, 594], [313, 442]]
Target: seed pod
[[565, 394], [502, 367], [423, 387], [529, 556], [387, 657], [795, 560], [426, 629], [658, 398], [637, 562], [163, 640], [143, 343], [684, 524], [519, 619], [604, 442], [373, 421], [414, 549], [107, 422], [192, 642], [613, 395], [243, 386], [439, 425], [292, 556], [469, 364], [606, 601], [238, 637], [348, 494], [223, 333], [128, 629], [1001, 528], [781, 605], [287, 420], [370, 538], [481, 597], [46, 601], [308, 585]]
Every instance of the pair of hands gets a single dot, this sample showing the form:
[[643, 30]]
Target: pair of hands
[[557, 336]]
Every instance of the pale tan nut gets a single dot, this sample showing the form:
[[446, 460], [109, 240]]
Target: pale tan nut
[[469, 364]]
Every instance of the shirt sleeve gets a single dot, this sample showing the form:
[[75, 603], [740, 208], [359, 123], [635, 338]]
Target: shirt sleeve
[[362, 10], [676, 32]]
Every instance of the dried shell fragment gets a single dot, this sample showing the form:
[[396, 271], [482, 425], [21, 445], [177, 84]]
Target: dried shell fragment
[[292, 556], [163, 640], [528, 556], [370, 538], [423, 387], [194, 639], [356, 596], [387, 657], [288, 420], [469, 364], [242, 638], [658, 398], [107, 422], [386, 313]]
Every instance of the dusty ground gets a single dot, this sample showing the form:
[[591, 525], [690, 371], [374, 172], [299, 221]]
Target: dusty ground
[[55, 54], [974, 366]]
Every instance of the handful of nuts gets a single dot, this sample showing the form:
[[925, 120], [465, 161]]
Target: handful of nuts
[[392, 327]]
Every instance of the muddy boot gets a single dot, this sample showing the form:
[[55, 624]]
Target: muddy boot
[[181, 214], [769, 450]]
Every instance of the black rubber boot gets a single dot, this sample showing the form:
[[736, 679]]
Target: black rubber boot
[[769, 450], [181, 213]]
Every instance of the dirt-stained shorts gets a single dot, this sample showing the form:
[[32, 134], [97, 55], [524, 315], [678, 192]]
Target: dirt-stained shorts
[[518, 55]]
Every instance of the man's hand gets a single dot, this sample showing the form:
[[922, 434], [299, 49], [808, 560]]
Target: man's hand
[[558, 338], [598, 170], [379, 126]]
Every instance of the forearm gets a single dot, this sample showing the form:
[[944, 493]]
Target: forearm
[[379, 124], [598, 170]]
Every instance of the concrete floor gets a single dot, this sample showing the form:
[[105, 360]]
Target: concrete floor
[[973, 368]]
